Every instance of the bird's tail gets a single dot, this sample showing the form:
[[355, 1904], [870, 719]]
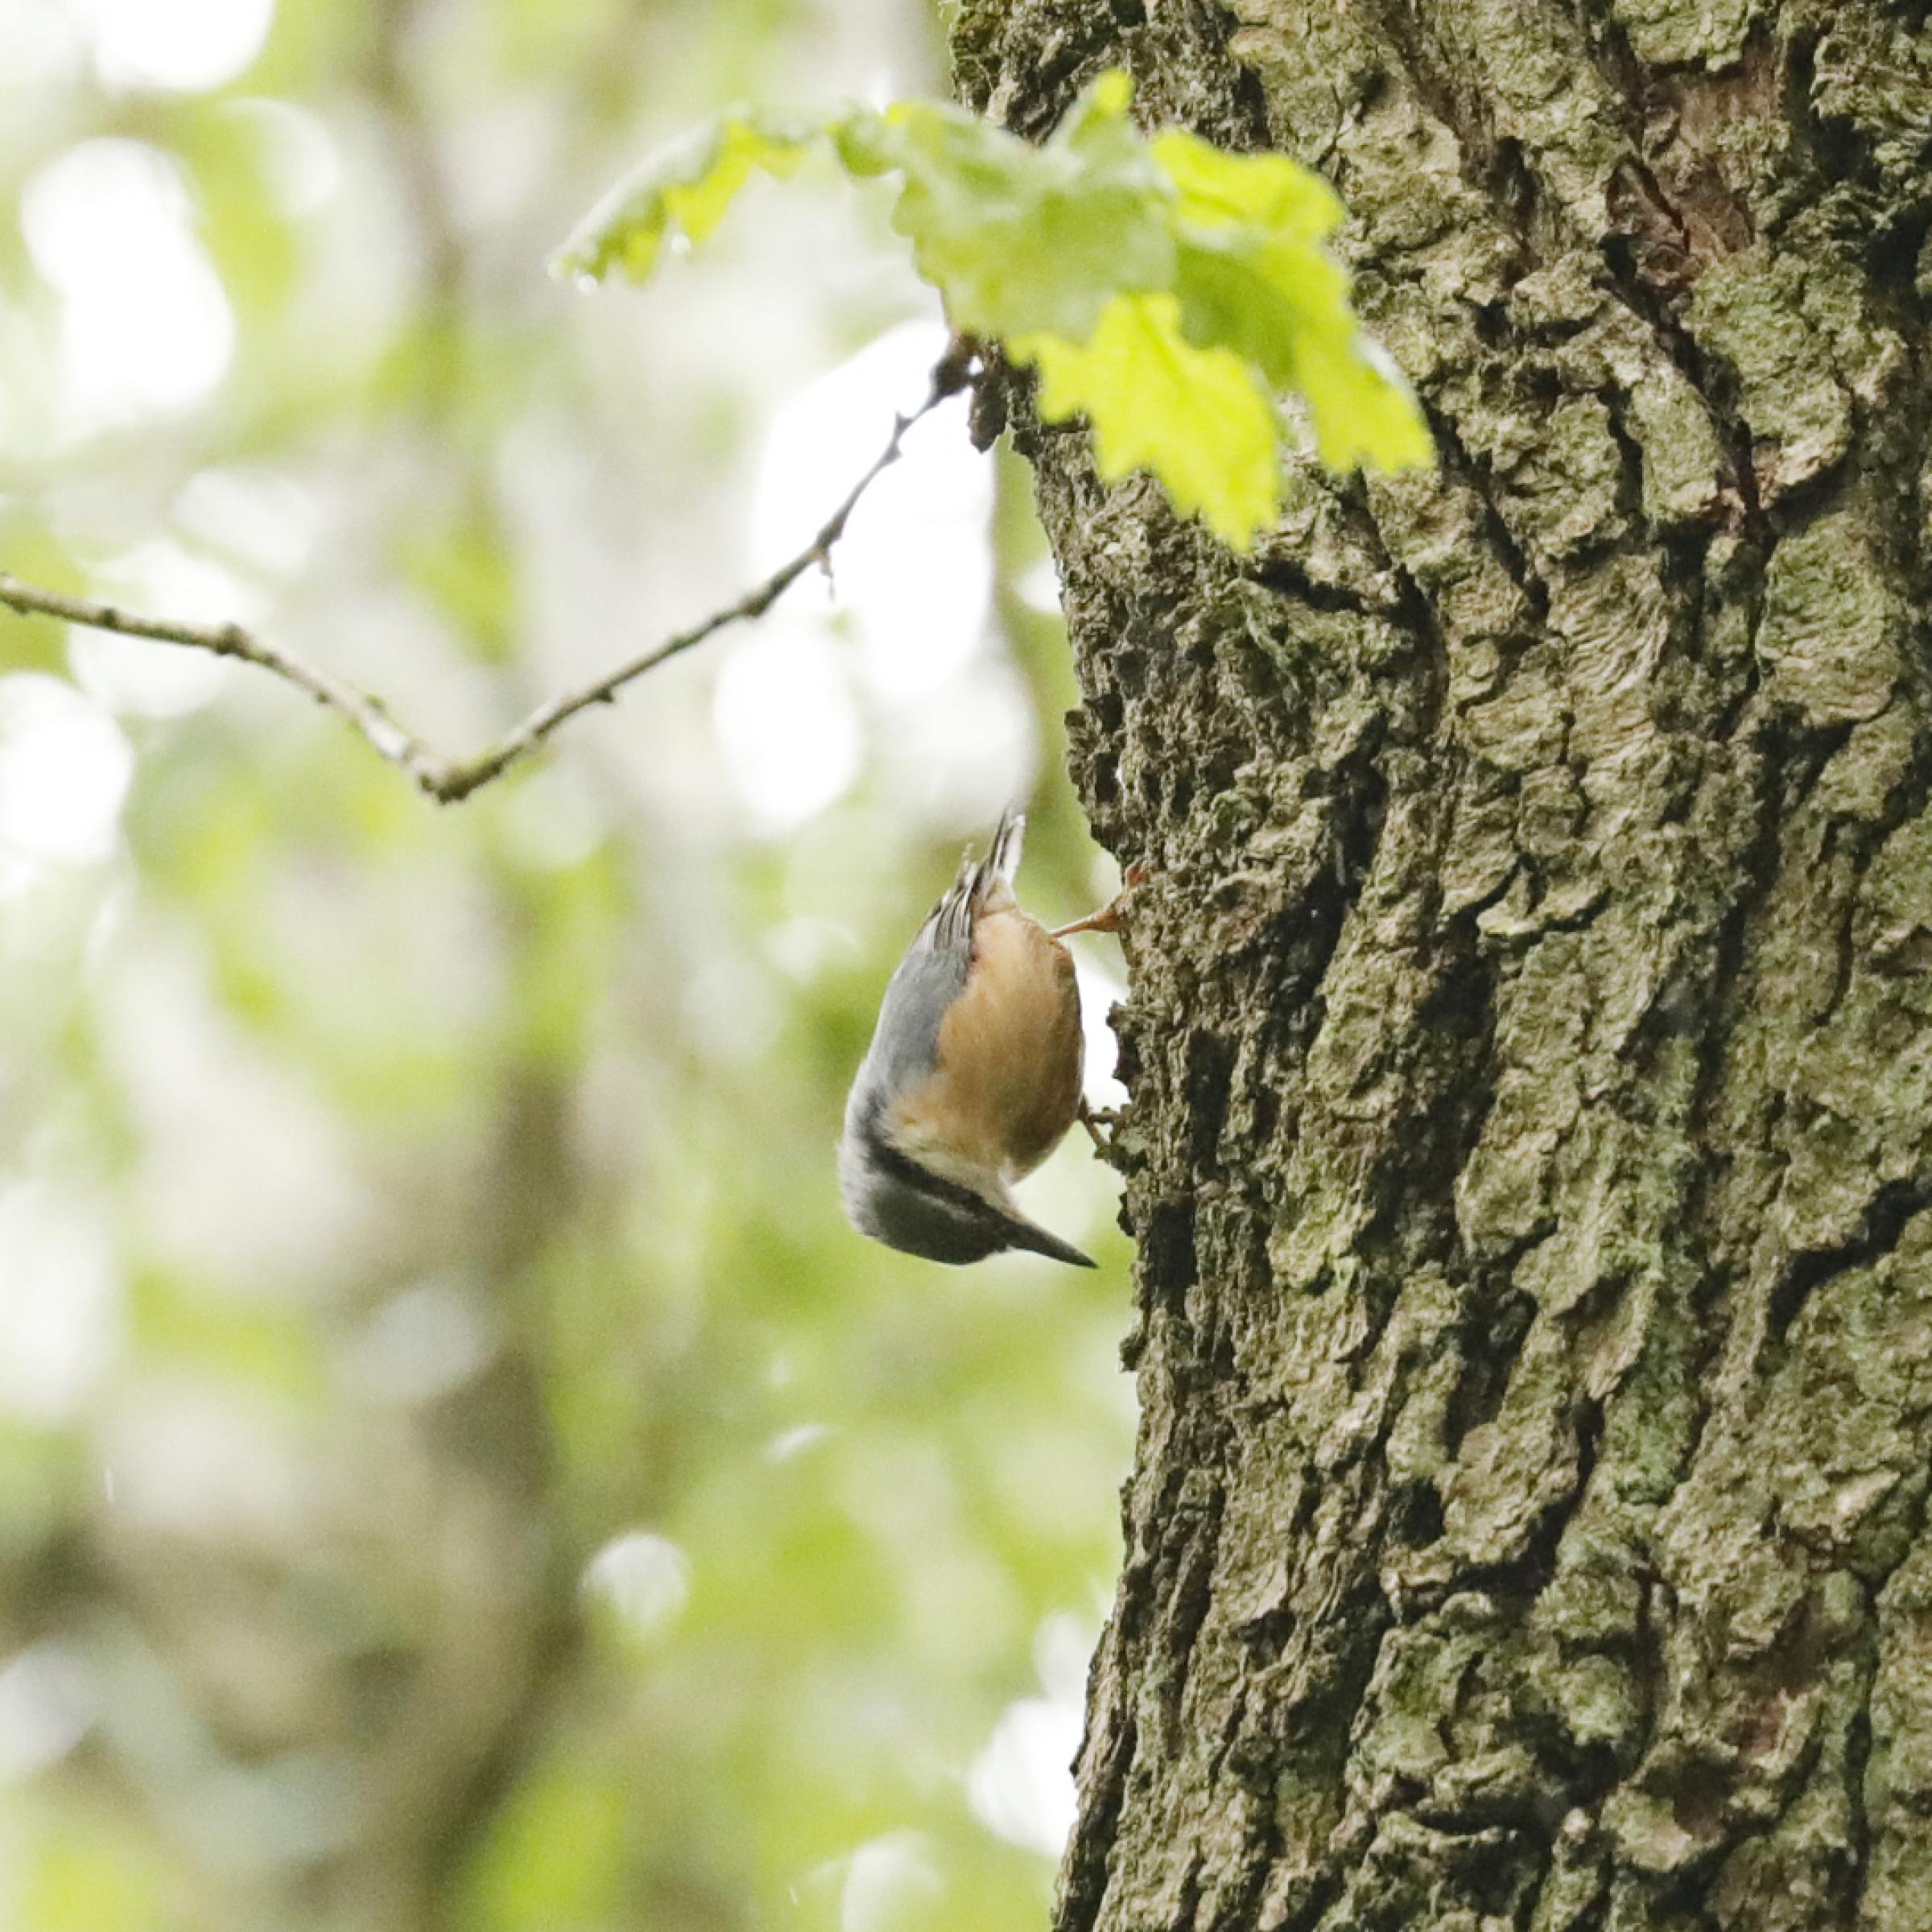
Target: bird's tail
[[984, 885], [1002, 860]]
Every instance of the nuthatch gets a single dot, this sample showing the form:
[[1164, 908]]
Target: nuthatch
[[973, 1076]]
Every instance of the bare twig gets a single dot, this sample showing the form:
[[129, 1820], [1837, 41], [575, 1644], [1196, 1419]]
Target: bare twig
[[440, 778], [402, 748]]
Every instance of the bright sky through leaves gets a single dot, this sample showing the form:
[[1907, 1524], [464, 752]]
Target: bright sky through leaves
[[186, 45]]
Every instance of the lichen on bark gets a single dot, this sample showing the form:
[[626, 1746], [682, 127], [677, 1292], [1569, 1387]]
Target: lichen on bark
[[1530, 1033]]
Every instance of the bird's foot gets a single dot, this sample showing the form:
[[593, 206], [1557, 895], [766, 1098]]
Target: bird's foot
[[1108, 918], [1093, 1119]]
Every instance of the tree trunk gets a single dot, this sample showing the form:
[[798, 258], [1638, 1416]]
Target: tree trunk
[[1530, 1041]]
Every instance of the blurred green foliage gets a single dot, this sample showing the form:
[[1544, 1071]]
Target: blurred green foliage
[[457, 1468]]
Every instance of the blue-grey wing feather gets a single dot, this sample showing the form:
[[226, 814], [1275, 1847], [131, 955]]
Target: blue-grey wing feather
[[906, 1043]]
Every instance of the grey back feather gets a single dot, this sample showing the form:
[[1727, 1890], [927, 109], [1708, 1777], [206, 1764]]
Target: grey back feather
[[906, 1043]]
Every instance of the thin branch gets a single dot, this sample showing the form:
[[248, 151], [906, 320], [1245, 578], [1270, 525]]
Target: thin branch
[[435, 775], [369, 715]]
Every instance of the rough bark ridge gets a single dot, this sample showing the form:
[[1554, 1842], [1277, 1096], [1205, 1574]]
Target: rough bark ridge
[[1531, 1038]]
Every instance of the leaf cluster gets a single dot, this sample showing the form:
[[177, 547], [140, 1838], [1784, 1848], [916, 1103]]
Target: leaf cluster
[[1168, 292]]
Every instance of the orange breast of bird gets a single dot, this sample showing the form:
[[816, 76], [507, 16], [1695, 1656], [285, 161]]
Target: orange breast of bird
[[1007, 1085]]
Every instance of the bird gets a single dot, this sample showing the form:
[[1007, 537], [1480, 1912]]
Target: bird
[[973, 1074]]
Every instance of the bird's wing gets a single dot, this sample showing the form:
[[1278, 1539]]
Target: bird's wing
[[932, 975]]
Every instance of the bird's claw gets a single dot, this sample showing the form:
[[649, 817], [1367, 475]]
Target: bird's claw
[[1108, 918]]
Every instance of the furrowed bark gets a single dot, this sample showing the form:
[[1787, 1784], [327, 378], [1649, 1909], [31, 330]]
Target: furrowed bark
[[1530, 1039]]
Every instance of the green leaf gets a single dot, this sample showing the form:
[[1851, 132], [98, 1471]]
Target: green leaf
[[1217, 189], [1167, 290], [1365, 415], [1020, 238], [1251, 275], [1193, 416], [688, 186], [1284, 308]]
